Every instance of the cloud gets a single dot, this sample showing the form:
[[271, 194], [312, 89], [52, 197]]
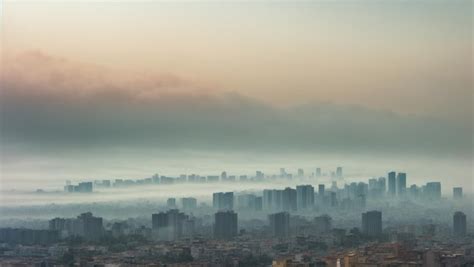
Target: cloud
[[38, 75], [51, 104]]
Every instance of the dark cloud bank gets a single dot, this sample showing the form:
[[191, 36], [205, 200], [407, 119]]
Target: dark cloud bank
[[50, 104]]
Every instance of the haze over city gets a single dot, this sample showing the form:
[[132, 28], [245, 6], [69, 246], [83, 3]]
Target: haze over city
[[111, 111]]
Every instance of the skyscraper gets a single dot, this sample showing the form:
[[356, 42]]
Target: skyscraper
[[382, 185], [225, 225], [300, 173], [459, 224], [280, 224], [304, 196], [457, 192], [339, 172], [267, 199], [223, 201], [372, 223], [432, 190], [288, 199], [88, 226], [321, 190], [318, 172], [168, 225], [189, 203], [171, 203], [401, 184], [391, 183], [277, 197]]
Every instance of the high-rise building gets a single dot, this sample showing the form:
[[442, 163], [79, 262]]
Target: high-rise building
[[223, 201], [267, 199], [339, 172], [318, 172], [259, 203], [459, 223], [414, 191], [189, 227], [225, 225], [333, 199], [432, 190], [247, 202], [168, 225], [277, 198], [321, 190], [88, 226], [360, 201], [171, 203], [21, 236], [401, 184], [85, 225], [372, 223], [288, 199], [382, 185], [304, 197], [300, 173], [457, 192], [280, 224], [392, 183], [189, 203], [282, 173]]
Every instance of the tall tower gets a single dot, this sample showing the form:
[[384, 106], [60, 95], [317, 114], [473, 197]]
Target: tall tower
[[459, 224], [391, 183], [280, 224], [457, 192], [401, 184], [372, 223], [225, 225]]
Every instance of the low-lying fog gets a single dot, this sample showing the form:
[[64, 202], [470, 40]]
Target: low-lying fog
[[21, 180]]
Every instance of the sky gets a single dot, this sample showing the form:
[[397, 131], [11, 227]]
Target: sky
[[126, 81]]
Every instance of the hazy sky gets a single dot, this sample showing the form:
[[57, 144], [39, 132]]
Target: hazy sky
[[405, 56], [370, 77]]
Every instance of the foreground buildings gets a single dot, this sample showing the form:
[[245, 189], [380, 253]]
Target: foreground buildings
[[357, 224]]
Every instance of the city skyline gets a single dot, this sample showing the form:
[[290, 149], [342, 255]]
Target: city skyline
[[255, 133]]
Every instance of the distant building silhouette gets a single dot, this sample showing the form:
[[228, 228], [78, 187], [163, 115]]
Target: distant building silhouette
[[318, 172], [225, 225], [288, 199], [304, 197], [457, 192], [189, 203], [15, 236], [372, 223], [392, 183], [459, 224], [321, 190], [168, 225], [223, 201], [171, 203], [339, 172], [432, 190], [401, 184], [300, 173], [280, 224]]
